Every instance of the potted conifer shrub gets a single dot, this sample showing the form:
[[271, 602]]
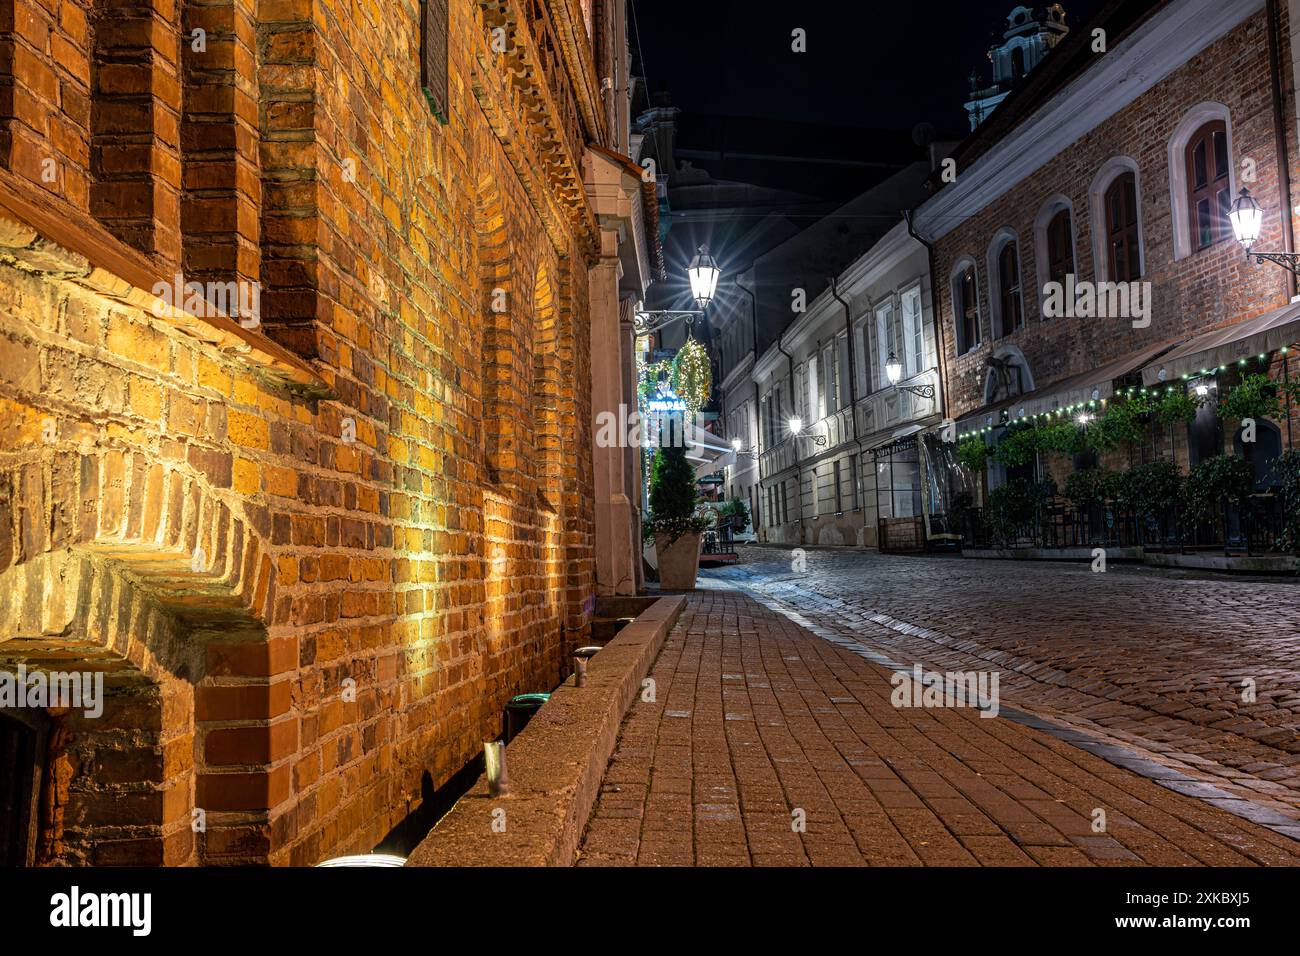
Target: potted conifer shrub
[[674, 522]]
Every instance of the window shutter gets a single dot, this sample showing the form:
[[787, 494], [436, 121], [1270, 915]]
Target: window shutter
[[913, 332], [433, 56]]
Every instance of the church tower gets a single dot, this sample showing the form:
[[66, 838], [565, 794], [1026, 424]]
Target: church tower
[[1032, 32]]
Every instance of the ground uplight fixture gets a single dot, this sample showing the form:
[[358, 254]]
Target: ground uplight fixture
[[366, 859], [703, 273]]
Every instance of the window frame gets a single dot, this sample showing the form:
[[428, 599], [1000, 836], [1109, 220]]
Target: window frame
[[1048, 215], [1001, 298], [1193, 121], [1218, 184], [914, 360], [1060, 247], [962, 309], [435, 59], [1099, 214], [1126, 234], [885, 336]]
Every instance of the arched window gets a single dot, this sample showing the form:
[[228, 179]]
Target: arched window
[[1209, 184], [1054, 258], [1123, 242], [1060, 246], [1005, 284], [1115, 208], [965, 306], [1201, 182]]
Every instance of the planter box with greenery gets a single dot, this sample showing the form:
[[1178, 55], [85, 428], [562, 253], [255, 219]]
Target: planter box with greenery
[[675, 524]]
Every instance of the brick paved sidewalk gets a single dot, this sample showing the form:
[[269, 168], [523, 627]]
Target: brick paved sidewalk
[[1152, 660], [756, 718]]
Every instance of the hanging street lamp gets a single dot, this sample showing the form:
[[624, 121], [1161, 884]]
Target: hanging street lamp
[[796, 429], [894, 372], [703, 273], [1247, 219]]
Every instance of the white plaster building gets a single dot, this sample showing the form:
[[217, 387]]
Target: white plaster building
[[853, 474]]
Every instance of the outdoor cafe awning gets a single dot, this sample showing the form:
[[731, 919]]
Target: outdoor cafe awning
[[1228, 346], [706, 451], [1093, 385]]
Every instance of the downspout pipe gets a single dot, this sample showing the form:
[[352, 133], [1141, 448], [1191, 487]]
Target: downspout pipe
[[1279, 141], [941, 347], [853, 395], [753, 322], [798, 467]]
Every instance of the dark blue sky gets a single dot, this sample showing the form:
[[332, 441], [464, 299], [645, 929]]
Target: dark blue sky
[[876, 63]]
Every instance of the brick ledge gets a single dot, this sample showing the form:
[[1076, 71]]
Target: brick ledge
[[557, 764], [86, 253]]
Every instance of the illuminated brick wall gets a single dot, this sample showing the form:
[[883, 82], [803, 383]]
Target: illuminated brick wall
[[388, 494]]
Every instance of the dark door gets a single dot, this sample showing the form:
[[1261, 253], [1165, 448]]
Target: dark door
[[20, 748]]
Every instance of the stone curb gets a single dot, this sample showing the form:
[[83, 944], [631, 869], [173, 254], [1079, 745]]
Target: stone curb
[[556, 765]]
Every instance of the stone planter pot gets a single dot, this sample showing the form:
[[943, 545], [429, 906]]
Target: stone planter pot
[[678, 562]]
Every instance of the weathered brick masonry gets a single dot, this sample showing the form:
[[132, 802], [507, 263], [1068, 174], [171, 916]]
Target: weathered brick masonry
[[302, 631]]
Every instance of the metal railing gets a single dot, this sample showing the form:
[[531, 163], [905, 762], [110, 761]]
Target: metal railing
[[720, 539], [1255, 528]]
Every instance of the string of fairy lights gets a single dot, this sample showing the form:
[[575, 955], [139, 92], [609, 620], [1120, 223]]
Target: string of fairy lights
[[1084, 412]]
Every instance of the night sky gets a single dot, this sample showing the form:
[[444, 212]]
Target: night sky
[[869, 63]]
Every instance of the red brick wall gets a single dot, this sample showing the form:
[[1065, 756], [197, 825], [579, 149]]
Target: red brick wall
[[1205, 290], [304, 154]]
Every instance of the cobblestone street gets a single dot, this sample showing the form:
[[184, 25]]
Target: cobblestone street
[[1154, 660], [1120, 693]]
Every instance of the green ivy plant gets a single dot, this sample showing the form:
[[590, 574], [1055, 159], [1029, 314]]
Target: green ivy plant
[[1122, 423], [1176, 407], [1255, 396], [1061, 435], [1017, 447], [1286, 474], [692, 377], [737, 510], [1151, 488], [1015, 506], [1094, 486], [1214, 481], [1291, 389], [973, 453]]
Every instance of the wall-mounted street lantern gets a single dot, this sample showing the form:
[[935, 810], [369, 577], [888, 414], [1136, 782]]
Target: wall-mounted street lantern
[[736, 444], [703, 273], [894, 372], [1247, 220], [796, 429]]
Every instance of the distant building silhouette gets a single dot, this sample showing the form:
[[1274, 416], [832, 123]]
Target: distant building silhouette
[[1032, 33]]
